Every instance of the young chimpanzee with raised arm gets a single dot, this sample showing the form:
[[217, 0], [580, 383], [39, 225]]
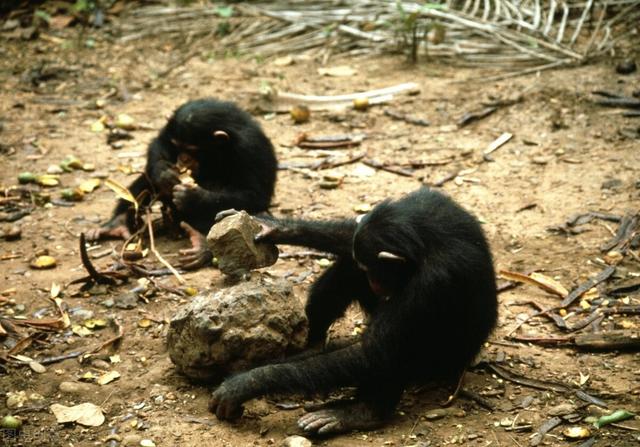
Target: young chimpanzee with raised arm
[[421, 268], [231, 161]]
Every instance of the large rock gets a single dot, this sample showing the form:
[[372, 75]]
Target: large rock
[[236, 328], [232, 241]]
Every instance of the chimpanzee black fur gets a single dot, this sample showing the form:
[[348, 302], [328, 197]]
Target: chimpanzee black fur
[[232, 162], [422, 269]]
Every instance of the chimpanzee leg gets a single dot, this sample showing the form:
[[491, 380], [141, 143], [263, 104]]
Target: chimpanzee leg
[[330, 296], [122, 220]]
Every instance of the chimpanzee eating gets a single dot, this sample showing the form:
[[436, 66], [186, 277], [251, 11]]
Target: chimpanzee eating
[[232, 163], [421, 268]]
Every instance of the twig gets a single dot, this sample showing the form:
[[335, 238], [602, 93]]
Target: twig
[[470, 117], [382, 166], [96, 276], [446, 179], [406, 118], [158, 255], [592, 282], [495, 145]]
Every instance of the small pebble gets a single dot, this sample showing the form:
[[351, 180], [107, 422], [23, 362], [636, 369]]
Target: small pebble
[[626, 66]]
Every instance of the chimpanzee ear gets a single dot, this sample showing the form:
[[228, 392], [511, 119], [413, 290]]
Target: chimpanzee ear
[[390, 256], [221, 135]]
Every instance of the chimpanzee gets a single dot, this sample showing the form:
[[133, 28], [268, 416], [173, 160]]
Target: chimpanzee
[[231, 161], [422, 270]]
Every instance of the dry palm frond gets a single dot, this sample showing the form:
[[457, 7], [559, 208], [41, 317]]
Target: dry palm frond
[[529, 34]]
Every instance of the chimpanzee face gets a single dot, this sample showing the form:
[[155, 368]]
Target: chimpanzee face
[[385, 271]]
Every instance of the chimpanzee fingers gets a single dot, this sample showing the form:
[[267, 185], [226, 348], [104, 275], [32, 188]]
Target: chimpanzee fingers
[[320, 422], [92, 235], [226, 213], [224, 408], [265, 233]]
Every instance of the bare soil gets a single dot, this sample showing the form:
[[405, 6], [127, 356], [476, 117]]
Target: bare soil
[[563, 150]]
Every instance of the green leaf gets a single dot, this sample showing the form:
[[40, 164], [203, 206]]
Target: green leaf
[[42, 15], [616, 416], [224, 11]]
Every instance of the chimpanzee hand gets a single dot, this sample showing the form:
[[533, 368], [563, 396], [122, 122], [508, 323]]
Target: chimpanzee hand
[[198, 255], [186, 198], [166, 177], [226, 401]]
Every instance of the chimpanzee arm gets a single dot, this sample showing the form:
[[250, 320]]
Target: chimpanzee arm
[[198, 200], [333, 236], [323, 372], [161, 160]]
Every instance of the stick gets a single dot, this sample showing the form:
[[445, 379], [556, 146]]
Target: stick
[[582, 288], [496, 144], [382, 166], [157, 255], [96, 276], [445, 179]]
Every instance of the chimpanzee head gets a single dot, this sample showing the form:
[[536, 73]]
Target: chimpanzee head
[[387, 247], [202, 127]]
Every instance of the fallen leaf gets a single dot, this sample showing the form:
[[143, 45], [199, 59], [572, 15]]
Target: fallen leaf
[[97, 126], [121, 191], [89, 185], [95, 323], [81, 331], [576, 432], [537, 279], [616, 416], [124, 121], [43, 262], [86, 414], [108, 377], [47, 180], [60, 21]]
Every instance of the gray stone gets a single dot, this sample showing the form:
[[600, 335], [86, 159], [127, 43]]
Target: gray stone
[[78, 388], [232, 241], [236, 328]]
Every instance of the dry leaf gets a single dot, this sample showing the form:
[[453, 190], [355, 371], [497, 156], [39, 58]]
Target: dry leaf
[[89, 185], [108, 377], [81, 331], [121, 191], [43, 262], [55, 290], [86, 414], [95, 323], [537, 279], [124, 121], [48, 180], [576, 432]]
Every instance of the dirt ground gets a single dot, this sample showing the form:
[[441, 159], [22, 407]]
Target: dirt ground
[[566, 156]]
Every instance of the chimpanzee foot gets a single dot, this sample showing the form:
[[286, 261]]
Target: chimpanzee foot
[[340, 419], [198, 255], [116, 228], [108, 232]]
